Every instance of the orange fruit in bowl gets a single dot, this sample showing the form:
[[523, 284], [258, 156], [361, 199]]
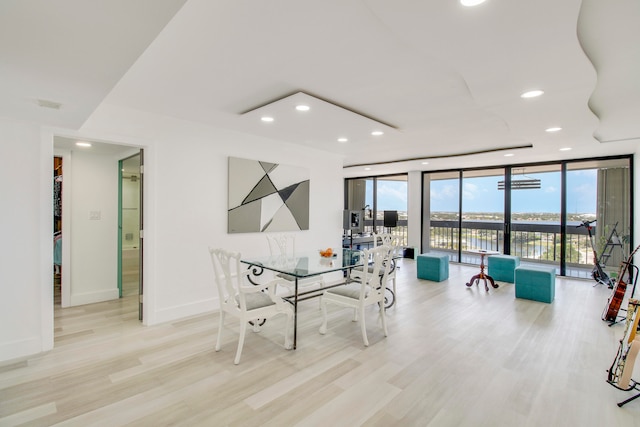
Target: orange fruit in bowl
[[327, 252]]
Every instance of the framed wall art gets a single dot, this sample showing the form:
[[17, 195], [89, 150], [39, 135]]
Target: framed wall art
[[267, 197]]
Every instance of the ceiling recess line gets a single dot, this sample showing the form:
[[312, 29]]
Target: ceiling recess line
[[444, 156], [351, 110], [632, 138]]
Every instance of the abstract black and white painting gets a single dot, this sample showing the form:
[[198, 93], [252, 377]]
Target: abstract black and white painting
[[266, 197]]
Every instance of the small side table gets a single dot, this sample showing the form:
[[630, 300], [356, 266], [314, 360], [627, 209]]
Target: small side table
[[482, 275]]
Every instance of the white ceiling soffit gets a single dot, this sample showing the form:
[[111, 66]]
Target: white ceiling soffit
[[616, 98], [324, 123], [59, 59], [446, 78]]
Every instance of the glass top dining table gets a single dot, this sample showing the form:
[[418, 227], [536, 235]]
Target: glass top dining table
[[301, 266], [307, 264]]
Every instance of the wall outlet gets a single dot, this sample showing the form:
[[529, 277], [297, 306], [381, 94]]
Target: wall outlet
[[94, 215]]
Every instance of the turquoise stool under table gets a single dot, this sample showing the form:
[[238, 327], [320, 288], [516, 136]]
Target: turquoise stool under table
[[536, 283], [432, 267], [502, 267]]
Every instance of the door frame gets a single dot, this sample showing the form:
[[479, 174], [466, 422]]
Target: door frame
[[141, 235]]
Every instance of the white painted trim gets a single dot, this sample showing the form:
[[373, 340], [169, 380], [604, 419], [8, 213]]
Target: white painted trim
[[185, 310], [93, 297]]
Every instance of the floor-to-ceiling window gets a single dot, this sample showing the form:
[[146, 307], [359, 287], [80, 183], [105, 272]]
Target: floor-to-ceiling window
[[441, 202], [598, 190], [382, 201], [482, 212], [533, 211]]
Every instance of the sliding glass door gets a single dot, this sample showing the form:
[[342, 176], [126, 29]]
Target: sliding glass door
[[534, 212], [599, 191], [482, 213], [382, 202], [441, 231]]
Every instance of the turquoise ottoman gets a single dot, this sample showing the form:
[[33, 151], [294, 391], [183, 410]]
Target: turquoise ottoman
[[433, 267], [502, 267], [536, 283]]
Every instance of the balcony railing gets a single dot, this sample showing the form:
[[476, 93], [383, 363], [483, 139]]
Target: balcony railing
[[537, 242], [531, 241], [400, 230]]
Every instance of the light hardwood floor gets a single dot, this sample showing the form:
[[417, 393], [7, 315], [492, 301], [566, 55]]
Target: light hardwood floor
[[455, 356]]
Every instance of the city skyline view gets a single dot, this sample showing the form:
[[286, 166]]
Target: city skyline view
[[481, 194]]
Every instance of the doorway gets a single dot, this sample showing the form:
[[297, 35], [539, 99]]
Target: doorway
[[130, 238]]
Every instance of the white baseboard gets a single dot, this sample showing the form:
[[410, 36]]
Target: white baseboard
[[93, 297], [20, 348], [181, 311]]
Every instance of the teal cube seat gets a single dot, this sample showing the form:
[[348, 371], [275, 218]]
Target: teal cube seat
[[432, 267], [536, 283], [502, 268]]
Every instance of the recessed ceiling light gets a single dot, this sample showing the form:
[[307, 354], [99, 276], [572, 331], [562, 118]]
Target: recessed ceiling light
[[532, 93], [83, 144], [302, 107], [470, 3], [425, 163], [509, 155], [367, 169], [377, 133], [565, 149], [555, 129], [266, 119], [342, 140]]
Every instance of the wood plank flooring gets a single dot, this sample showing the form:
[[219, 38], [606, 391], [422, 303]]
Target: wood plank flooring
[[455, 356]]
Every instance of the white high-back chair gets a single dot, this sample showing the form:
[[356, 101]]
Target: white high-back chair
[[283, 247], [393, 241], [367, 290], [241, 299]]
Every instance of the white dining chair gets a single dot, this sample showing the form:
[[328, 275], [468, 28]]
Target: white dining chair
[[366, 287], [389, 239], [283, 248], [244, 300]]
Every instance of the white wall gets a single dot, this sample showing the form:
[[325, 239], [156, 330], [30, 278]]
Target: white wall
[[26, 253], [185, 192], [185, 198]]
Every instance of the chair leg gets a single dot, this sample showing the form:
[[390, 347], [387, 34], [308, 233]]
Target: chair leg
[[323, 326], [395, 293], [363, 327], [243, 330], [256, 325], [384, 318], [221, 325]]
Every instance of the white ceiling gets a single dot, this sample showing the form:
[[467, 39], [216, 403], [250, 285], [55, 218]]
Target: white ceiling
[[438, 78]]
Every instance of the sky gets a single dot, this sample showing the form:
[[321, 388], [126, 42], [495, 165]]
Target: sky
[[392, 195], [482, 194]]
